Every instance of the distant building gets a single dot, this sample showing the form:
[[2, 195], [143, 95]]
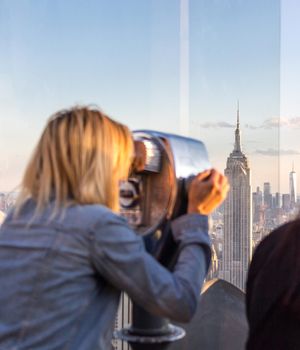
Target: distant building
[[257, 202], [293, 187], [259, 196], [286, 202], [267, 195], [237, 249], [2, 201], [214, 268], [278, 203]]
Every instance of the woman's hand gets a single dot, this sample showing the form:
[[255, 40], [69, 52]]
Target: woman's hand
[[206, 192]]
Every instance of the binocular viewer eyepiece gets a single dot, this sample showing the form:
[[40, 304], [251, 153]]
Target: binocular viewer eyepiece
[[162, 167]]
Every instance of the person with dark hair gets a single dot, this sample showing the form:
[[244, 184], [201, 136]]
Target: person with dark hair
[[66, 253], [273, 291]]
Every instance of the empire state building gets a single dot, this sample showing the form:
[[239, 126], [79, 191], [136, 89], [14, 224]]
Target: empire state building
[[237, 247]]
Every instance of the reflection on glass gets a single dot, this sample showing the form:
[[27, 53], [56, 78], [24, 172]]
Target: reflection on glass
[[234, 55]]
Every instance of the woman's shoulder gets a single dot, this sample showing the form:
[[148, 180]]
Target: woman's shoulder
[[102, 224], [75, 218], [90, 215]]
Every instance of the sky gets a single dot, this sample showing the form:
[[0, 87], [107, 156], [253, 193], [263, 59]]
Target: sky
[[127, 58], [290, 86]]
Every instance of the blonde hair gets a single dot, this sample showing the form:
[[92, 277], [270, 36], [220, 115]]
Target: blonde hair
[[80, 158]]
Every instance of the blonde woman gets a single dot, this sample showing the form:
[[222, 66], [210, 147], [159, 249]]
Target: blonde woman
[[65, 253]]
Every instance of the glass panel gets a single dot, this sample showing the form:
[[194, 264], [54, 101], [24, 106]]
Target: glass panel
[[234, 108], [290, 108]]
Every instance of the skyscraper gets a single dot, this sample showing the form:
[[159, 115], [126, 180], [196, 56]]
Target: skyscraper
[[267, 195], [286, 202], [237, 248], [257, 200], [293, 187], [278, 200]]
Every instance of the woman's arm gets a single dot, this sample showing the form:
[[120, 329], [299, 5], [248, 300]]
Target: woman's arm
[[120, 257]]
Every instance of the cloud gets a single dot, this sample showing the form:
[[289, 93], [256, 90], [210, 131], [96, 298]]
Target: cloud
[[275, 152], [294, 122], [268, 124], [275, 122], [217, 125]]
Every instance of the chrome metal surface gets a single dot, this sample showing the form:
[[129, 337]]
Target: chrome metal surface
[[174, 333], [189, 155], [153, 156], [163, 169], [129, 193]]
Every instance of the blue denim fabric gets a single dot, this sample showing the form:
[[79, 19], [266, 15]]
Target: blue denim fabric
[[61, 279]]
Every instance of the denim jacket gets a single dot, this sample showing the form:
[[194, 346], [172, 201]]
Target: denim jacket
[[60, 279]]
